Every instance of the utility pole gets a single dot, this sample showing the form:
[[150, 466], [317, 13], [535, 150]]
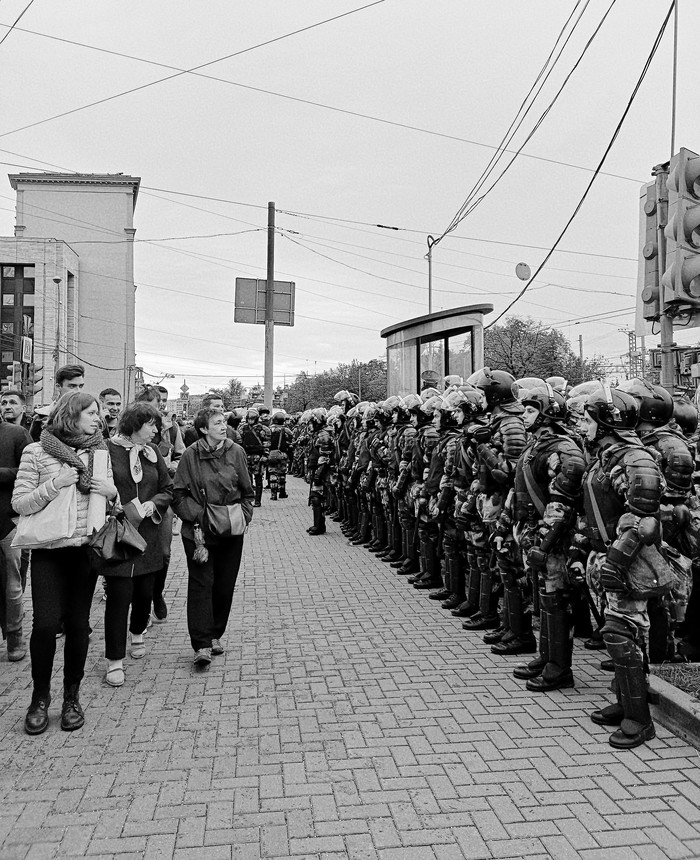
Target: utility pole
[[57, 347], [269, 306], [580, 348], [429, 258]]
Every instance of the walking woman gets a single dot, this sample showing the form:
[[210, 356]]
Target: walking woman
[[63, 576], [145, 492], [213, 472]]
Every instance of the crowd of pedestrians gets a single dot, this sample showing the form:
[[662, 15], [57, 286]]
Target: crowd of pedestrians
[[88, 466]]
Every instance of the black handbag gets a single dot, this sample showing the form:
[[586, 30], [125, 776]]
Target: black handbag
[[117, 541]]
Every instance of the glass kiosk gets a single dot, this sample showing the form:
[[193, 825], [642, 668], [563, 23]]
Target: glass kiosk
[[421, 351]]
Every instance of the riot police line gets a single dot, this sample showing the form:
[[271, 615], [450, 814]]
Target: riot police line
[[513, 498]]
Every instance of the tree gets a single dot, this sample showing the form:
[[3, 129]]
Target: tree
[[366, 378], [525, 347], [232, 394]]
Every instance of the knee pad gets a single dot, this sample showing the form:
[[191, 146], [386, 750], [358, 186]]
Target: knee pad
[[620, 627]]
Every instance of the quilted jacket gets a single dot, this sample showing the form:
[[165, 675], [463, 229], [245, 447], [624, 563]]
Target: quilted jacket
[[34, 489]]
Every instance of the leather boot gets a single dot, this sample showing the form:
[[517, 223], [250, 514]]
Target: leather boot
[[273, 495], [556, 675], [258, 495], [525, 671], [455, 583], [521, 639], [319, 526], [16, 647], [430, 567], [410, 564], [72, 716], [470, 606], [37, 719], [636, 726], [487, 617]]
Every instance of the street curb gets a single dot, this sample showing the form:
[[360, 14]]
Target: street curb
[[676, 710]]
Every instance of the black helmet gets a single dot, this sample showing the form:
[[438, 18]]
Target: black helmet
[[613, 409], [655, 403], [685, 413], [547, 401], [279, 418], [498, 385]]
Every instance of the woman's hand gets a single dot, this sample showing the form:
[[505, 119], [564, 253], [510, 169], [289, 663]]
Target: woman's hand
[[67, 476], [103, 486]]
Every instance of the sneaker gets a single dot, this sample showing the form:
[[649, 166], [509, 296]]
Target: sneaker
[[160, 610], [202, 657], [216, 648]]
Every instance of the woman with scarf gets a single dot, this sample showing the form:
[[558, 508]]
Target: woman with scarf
[[212, 472], [63, 575], [145, 492]]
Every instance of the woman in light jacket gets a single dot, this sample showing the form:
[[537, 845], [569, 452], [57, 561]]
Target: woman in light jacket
[[63, 575], [218, 466], [145, 492]]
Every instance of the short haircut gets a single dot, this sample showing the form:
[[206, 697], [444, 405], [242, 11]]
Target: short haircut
[[162, 389], [68, 372], [208, 397], [64, 417], [107, 391], [14, 393], [149, 393], [202, 419], [136, 415]]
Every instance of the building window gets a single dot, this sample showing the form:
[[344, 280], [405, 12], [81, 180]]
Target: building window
[[8, 271]]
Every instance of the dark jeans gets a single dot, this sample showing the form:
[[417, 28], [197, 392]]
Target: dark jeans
[[63, 582], [210, 590], [123, 592]]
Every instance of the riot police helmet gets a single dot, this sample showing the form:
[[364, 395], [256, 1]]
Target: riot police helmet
[[685, 414], [412, 402], [612, 409], [655, 403], [548, 402], [470, 400], [498, 386], [252, 413], [279, 418], [558, 383]]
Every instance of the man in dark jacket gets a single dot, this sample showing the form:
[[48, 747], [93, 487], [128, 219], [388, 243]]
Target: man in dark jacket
[[13, 440]]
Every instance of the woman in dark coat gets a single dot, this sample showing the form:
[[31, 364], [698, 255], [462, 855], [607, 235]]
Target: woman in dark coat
[[145, 492], [214, 469]]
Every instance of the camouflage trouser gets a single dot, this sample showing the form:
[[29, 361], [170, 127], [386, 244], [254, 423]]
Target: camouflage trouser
[[277, 467]]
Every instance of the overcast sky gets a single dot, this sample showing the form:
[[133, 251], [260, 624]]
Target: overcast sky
[[455, 71]]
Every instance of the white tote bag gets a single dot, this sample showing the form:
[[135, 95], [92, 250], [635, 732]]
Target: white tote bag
[[56, 521]]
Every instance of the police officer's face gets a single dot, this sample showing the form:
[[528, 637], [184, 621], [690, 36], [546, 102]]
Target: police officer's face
[[414, 419], [530, 416], [589, 427], [459, 417]]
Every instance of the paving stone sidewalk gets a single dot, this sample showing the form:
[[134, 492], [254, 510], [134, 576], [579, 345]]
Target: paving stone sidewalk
[[350, 717]]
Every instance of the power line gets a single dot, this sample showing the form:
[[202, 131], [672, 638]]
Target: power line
[[470, 203], [16, 21], [181, 72], [645, 69]]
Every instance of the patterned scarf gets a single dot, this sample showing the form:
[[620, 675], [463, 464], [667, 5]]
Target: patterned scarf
[[64, 449], [134, 451]]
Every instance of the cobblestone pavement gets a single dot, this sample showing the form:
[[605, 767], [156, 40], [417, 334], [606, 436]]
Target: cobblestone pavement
[[350, 717]]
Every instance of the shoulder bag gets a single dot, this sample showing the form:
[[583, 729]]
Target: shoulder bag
[[56, 521], [219, 520]]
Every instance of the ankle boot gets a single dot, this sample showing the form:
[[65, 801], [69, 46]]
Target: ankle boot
[[37, 719], [72, 716], [521, 639]]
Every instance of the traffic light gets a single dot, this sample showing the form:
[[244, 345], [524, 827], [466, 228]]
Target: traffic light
[[649, 253], [681, 278], [35, 381]]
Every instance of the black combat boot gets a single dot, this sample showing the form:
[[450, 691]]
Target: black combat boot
[[557, 674], [525, 671], [319, 526], [520, 639], [636, 726]]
